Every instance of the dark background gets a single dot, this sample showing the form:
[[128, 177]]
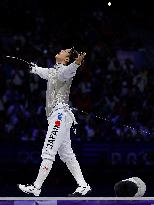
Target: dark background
[[116, 83]]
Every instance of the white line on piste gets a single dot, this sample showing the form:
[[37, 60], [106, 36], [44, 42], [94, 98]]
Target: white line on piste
[[78, 198]]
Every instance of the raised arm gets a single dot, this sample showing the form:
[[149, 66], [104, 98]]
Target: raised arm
[[67, 72], [42, 72]]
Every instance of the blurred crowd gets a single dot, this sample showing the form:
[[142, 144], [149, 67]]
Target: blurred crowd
[[117, 92]]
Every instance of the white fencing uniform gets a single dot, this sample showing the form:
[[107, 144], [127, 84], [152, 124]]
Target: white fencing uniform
[[60, 119]]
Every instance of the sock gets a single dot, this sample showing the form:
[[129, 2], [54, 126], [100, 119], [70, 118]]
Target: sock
[[74, 168], [44, 170]]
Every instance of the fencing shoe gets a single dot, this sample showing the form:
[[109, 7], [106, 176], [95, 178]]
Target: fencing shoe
[[81, 191], [29, 189]]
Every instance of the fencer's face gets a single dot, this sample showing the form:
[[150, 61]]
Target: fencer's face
[[63, 55]]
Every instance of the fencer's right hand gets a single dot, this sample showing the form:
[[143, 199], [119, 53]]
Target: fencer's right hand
[[32, 67]]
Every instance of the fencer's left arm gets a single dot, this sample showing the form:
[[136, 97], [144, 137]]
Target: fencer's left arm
[[67, 72]]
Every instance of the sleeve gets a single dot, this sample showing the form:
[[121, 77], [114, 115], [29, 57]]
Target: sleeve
[[67, 72], [42, 72]]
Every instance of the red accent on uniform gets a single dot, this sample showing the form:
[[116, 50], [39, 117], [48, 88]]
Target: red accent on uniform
[[57, 123], [46, 168]]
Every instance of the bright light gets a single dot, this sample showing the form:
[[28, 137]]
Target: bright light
[[109, 4]]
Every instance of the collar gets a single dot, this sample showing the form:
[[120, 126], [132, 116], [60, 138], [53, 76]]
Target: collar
[[57, 65]]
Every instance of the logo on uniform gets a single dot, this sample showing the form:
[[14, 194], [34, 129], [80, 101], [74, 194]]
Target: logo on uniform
[[57, 122], [60, 116], [54, 131]]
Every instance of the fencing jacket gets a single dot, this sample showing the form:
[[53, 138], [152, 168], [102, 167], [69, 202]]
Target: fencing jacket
[[59, 80]]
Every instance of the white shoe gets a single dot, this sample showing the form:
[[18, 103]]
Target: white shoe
[[81, 191], [29, 189]]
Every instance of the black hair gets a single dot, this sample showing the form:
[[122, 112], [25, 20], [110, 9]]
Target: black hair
[[125, 189], [73, 55]]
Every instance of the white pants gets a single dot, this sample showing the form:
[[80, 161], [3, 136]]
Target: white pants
[[58, 141], [58, 136]]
